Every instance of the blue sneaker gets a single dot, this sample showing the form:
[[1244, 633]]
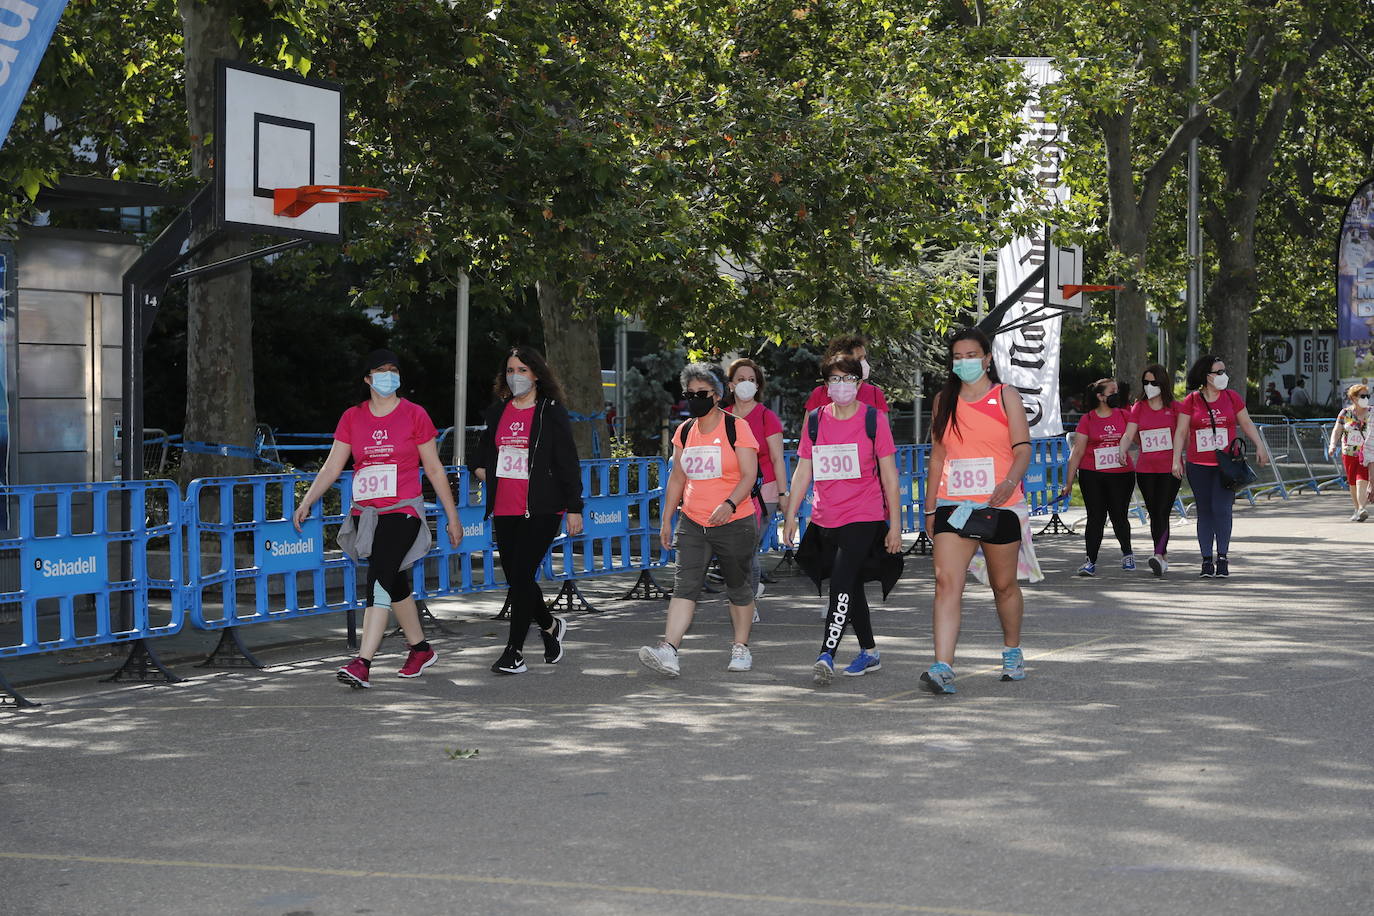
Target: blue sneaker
[[863, 663], [1088, 569], [1013, 665], [824, 669], [939, 679], [1128, 561]]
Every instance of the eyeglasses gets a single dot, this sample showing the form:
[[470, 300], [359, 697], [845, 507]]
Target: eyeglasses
[[842, 378], [699, 395]]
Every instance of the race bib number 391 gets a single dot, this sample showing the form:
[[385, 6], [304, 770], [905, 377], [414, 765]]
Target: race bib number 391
[[376, 481], [970, 477], [835, 462], [701, 462]]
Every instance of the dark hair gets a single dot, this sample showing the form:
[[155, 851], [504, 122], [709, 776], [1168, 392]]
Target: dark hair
[[944, 419], [1198, 372], [1090, 394], [844, 344], [846, 364], [1162, 379], [743, 363], [546, 383]]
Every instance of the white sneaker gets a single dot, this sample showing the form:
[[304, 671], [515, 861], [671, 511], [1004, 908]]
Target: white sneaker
[[740, 658], [756, 615], [1364, 514], [1158, 565], [1356, 516], [758, 592], [661, 658]]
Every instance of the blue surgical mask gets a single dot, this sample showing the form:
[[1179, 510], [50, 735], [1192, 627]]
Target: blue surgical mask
[[385, 383], [969, 370]]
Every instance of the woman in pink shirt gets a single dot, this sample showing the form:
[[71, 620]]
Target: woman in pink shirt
[[856, 504], [389, 439], [1105, 480], [1209, 418], [746, 380], [1153, 419]]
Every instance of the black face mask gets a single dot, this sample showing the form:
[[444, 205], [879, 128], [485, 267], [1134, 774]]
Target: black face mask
[[1113, 400], [699, 407]]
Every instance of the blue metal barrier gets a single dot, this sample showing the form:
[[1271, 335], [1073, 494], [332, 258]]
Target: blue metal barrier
[[472, 566], [86, 577]]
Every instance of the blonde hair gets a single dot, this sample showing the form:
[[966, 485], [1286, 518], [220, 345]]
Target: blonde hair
[[1355, 390]]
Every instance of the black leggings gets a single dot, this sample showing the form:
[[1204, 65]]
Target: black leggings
[[1106, 494], [523, 542], [1159, 492], [391, 541], [848, 603]]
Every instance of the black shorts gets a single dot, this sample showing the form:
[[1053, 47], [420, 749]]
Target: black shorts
[[1008, 525], [395, 535]]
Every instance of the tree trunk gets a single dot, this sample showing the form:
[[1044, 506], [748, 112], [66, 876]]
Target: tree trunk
[[573, 348], [219, 320], [1230, 298]]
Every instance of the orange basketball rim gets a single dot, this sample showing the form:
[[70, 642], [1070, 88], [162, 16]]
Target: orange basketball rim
[[295, 201]]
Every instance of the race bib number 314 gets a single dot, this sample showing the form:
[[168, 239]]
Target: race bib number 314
[[1157, 440]]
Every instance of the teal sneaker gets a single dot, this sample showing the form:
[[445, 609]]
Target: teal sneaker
[[939, 679], [824, 669], [1013, 665], [863, 663]]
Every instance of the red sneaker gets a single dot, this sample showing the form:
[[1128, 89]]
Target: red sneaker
[[354, 674], [416, 662]]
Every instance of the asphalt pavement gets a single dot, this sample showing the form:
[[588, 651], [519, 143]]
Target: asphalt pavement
[[1180, 746]]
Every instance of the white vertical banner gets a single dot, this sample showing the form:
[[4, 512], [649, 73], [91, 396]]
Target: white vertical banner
[[1028, 357]]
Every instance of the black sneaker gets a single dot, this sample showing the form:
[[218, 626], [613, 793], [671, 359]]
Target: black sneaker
[[1208, 570], [553, 641], [510, 662], [1223, 568]]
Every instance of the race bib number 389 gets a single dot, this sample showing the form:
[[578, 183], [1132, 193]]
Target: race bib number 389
[[376, 481], [970, 477], [701, 462]]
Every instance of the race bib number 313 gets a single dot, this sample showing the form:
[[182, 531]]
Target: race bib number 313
[[701, 462], [1208, 440], [970, 477], [376, 481]]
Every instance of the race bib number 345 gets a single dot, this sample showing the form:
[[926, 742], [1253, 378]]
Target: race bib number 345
[[701, 462], [376, 481], [835, 462], [971, 477]]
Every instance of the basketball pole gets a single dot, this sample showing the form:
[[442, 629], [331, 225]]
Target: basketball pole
[[460, 373]]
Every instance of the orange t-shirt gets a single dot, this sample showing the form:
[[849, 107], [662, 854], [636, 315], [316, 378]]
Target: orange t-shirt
[[978, 456], [712, 469]]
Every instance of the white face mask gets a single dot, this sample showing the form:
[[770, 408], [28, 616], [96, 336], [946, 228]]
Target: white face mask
[[842, 393], [1362, 402], [1151, 391], [1221, 380], [863, 364], [746, 390]]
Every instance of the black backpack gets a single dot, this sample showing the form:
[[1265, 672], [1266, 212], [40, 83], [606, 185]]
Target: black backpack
[[813, 427], [685, 428]]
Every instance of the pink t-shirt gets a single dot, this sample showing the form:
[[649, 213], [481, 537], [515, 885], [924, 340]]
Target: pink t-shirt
[[1155, 436], [386, 453], [1104, 441], [1202, 445], [513, 460], [764, 423], [844, 465], [869, 393]]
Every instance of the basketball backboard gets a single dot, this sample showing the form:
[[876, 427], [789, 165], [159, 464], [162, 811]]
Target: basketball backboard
[[1063, 267], [276, 130]]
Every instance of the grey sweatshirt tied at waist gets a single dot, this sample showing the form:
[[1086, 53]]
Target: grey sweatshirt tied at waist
[[355, 537]]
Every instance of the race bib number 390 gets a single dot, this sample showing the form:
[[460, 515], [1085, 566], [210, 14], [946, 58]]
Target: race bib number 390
[[513, 463], [835, 462], [970, 477], [1157, 440], [1207, 439], [701, 462], [376, 481]]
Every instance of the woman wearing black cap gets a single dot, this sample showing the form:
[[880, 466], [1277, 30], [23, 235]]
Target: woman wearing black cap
[[528, 459], [389, 439]]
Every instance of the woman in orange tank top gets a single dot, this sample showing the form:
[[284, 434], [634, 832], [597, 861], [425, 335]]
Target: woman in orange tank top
[[980, 449]]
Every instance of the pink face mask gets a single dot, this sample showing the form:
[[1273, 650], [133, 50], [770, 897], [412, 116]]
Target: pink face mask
[[843, 393]]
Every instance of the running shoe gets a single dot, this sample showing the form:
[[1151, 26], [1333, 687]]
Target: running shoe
[[1128, 561], [824, 669], [510, 662], [756, 615], [416, 662], [1158, 565], [1013, 665], [553, 641], [1355, 516], [1363, 514], [759, 589], [1208, 570], [740, 658], [1088, 569], [354, 674], [661, 658], [1223, 568], [863, 663], [939, 679]]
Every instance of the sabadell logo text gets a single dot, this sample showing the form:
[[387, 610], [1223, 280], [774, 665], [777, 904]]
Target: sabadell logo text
[[51, 569], [607, 518], [290, 548]]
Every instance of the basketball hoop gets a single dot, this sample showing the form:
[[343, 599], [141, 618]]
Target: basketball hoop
[[295, 201], [1072, 289]]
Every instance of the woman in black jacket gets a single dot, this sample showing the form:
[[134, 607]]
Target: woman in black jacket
[[529, 462]]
